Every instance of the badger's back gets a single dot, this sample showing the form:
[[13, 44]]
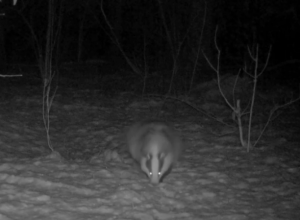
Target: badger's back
[[156, 146]]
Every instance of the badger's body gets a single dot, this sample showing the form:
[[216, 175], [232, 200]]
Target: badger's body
[[155, 146]]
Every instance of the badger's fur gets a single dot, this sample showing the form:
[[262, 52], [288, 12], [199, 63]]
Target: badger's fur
[[156, 146]]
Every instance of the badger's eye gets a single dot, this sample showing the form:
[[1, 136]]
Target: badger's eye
[[150, 173], [162, 155], [159, 173]]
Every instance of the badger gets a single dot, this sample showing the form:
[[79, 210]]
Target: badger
[[156, 146]]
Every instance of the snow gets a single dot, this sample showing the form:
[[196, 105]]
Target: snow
[[88, 178]]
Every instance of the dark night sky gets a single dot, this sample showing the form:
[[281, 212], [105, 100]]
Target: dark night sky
[[155, 32]]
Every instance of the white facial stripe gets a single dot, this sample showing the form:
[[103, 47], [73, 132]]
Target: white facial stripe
[[158, 160], [155, 169]]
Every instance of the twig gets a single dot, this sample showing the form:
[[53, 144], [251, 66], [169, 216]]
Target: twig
[[192, 106], [272, 111], [118, 44], [199, 46], [217, 70], [16, 75], [255, 77]]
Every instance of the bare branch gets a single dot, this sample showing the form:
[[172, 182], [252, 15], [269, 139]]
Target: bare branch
[[118, 44], [267, 62], [15, 75]]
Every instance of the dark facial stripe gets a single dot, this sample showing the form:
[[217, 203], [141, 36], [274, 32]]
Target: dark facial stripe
[[160, 159]]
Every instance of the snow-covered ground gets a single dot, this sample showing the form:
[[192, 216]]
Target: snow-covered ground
[[214, 180]]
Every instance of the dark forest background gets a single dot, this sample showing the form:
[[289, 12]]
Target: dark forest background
[[146, 45]]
